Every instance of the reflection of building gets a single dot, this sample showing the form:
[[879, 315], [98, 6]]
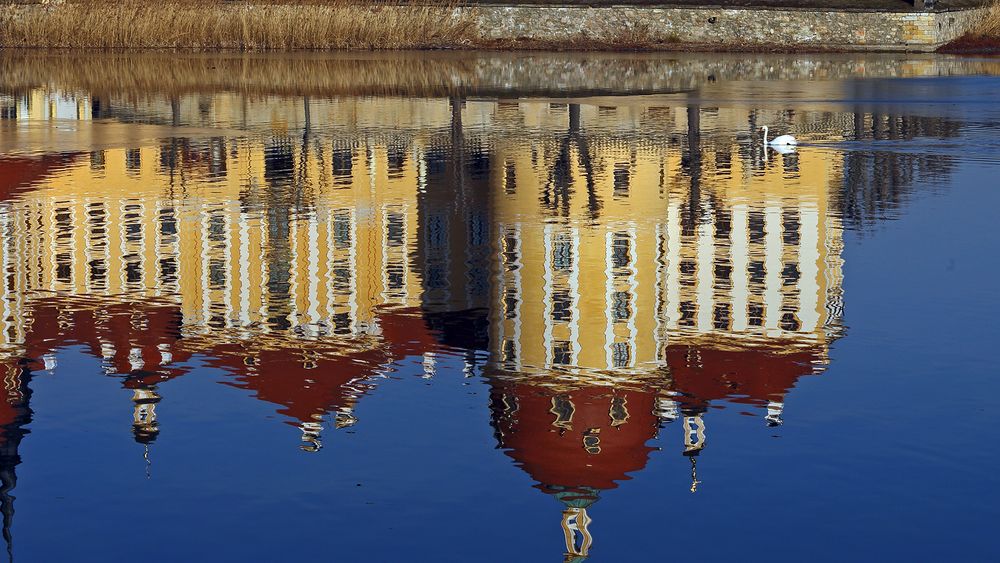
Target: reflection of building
[[41, 105], [749, 258], [136, 341], [255, 273], [624, 267], [259, 251], [230, 257], [627, 295]]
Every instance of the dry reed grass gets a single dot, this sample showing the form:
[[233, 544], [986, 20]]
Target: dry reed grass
[[990, 27], [208, 25]]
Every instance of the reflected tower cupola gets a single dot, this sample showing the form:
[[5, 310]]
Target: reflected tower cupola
[[145, 428], [574, 441]]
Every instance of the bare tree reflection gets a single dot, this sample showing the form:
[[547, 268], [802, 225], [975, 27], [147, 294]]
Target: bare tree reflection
[[878, 183]]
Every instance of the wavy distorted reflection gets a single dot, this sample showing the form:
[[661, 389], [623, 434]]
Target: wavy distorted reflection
[[624, 267]]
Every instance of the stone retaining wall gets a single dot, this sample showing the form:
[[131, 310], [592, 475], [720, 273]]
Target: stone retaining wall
[[638, 26]]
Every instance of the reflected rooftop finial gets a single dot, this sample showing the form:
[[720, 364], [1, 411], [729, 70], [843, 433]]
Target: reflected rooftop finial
[[694, 474], [575, 521], [310, 436]]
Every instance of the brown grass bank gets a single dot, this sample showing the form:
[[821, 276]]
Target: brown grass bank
[[208, 25], [985, 38]]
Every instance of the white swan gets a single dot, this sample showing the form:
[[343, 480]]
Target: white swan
[[782, 141]]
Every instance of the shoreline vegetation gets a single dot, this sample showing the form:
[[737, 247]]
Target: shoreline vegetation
[[984, 39], [212, 25], [350, 25]]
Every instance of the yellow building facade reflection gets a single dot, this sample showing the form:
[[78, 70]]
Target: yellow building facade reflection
[[320, 264], [594, 250], [614, 236]]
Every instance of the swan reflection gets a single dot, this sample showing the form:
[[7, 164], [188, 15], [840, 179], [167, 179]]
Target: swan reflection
[[783, 149]]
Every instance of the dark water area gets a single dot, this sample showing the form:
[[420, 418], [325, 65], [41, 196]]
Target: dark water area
[[489, 307]]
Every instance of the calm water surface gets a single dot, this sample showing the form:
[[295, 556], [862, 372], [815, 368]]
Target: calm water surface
[[485, 307]]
